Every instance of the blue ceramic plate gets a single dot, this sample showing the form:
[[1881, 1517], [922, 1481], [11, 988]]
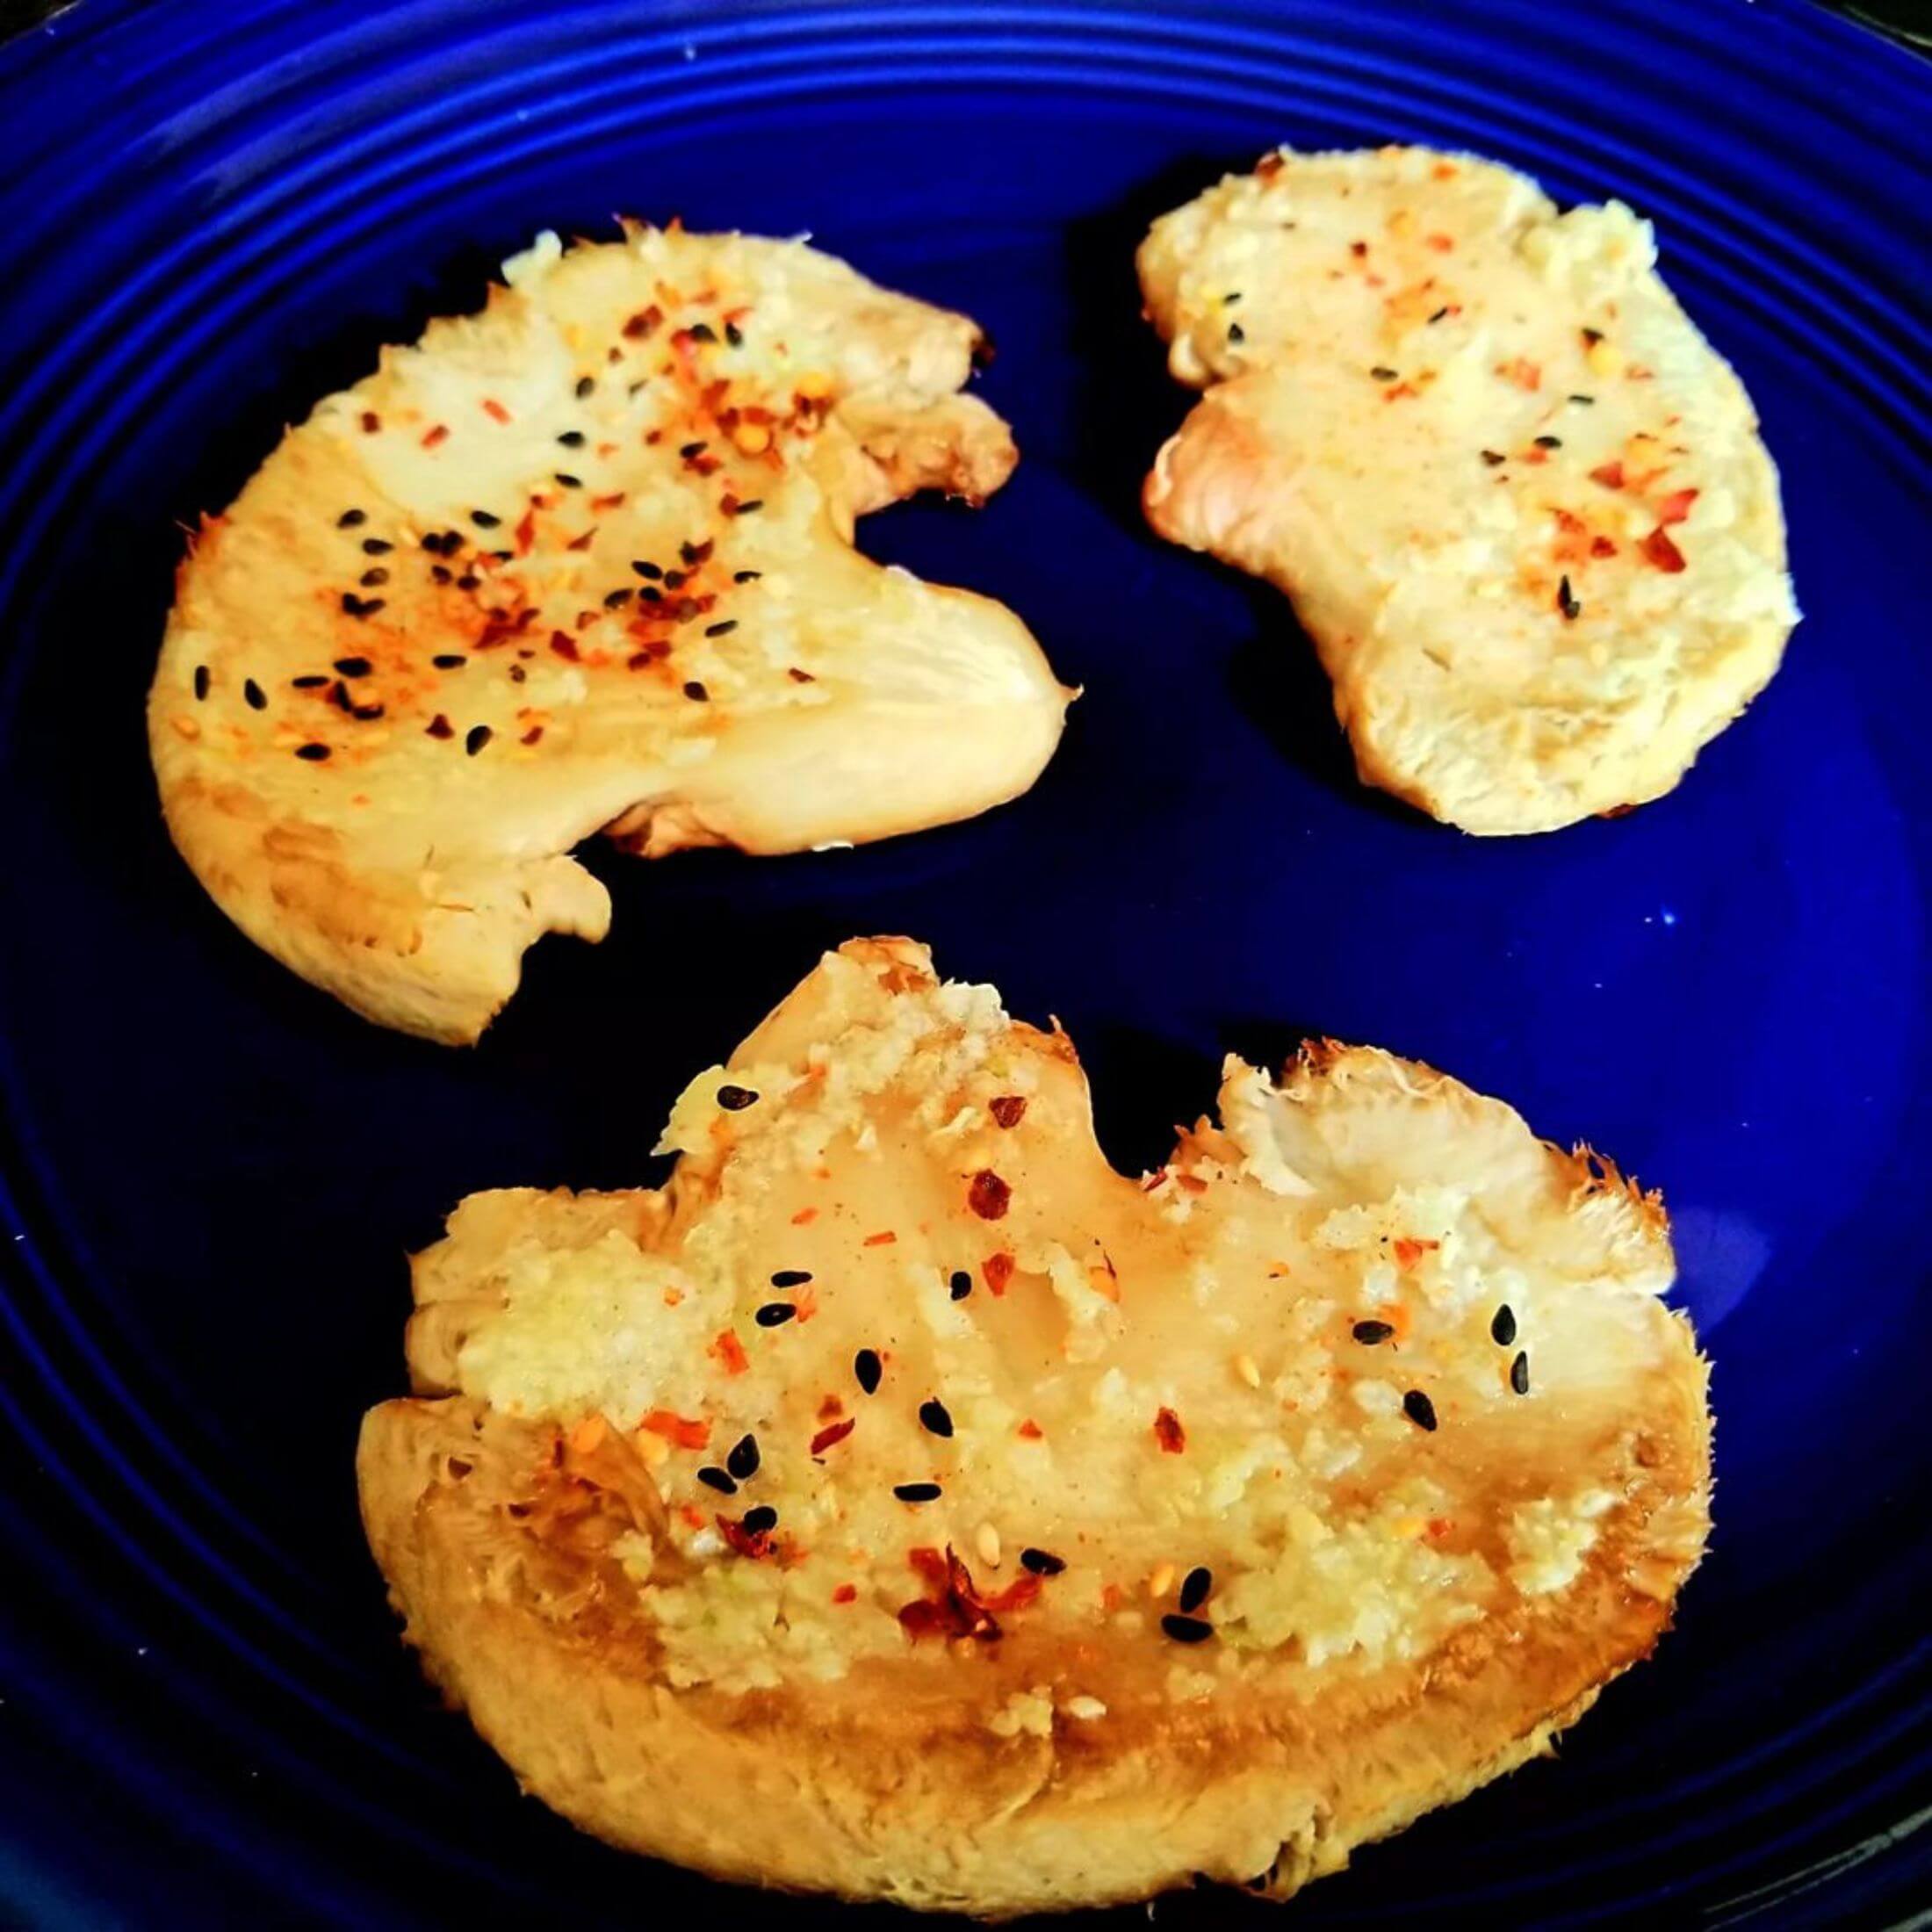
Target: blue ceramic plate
[[209, 214]]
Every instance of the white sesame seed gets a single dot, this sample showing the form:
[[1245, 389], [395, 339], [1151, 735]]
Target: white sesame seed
[[1249, 1370], [1085, 1707], [987, 1542], [1162, 1580]]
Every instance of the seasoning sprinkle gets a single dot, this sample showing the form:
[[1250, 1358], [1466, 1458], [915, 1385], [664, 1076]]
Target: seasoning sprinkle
[[258, 699], [449, 660], [745, 508], [585, 385], [314, 753], [915, 1492], [961, 1284], [1494, 456], [1419, 1410], [1369, 1333], [1549, 442], [716, 1479], [349, 519], [791, 1278], [934, 1419], [734, 335], [866, 1369], [696, 692], [1041, 1562], [567, 480], [775, 1313], [1195, 1588], [1588, 401], [721, 629], [484, 519], [572, 439], [201, 681], [645, 568], [616, 597], [988, 1196], [1519, 1372], [743, 1460], [477, 738], [371, 577], [702, 332], [1502, 1326], [1382, 372], [735, 1099], [1187, 1630], [747, 576], [1439, 313], [313, 682], [761, 1520], [1236, 333], [439, 726], [1565, 600], [376, 546]]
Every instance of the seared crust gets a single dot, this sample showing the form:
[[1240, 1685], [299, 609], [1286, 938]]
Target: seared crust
[[587, 559], [1520, 503], [1077, 1757]]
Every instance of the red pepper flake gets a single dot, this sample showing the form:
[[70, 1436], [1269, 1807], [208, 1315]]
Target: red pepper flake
[[679, 1429], [1441, 244], [1611, 475], [439, 726], [693, 1516], [370, 422], [435, 437], [1153, 1180], [495, 410], [1601, 546], [1676, 506], [583, 542], [729, 1351], [960, 1609], [830, 1407], [1193, 1182], [526, 532], [1030, 1430], [989, 1197], [831, 1433], [1659, 551], [615, 501], [1009, 1109], [1269, 166], [846, 1593], [1409, 1252], [643, 323], [805, 1217], [564, 646], [535, 736], [997, 1270], [752, 1543], [1522, 371], [881, 1240], [1169, 1433]]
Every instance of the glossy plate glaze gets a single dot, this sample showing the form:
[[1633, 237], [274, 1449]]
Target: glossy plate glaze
[[208, 216]]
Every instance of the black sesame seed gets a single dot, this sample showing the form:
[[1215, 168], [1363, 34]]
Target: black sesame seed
[[349, 519], [477, 738], [1593, 336], [616, 597], [702, 332], [673, 579], [644, 569], [1187, 1630], [567, 480], [775, 1314], [696, 692], [758, 1521], [1439, 313], [867, 1368], [791, 1278], [518, 674], [934, 1419], [1502, 1326], [733, 1099], [503, 556], [314, 753], [201, 681], [1549, 442], [258, 699], [1588, 402], [1419, 1410], [353, 667], [1494, 456], [439, 573], [584, 385], [468, 580], [747, 576], [745, 509], [961, 1284], [696, 553], [1369, 1333], [743, 1459], [484, 519], [721, 629], [1519, 1372], [449, 660], [1041, 1562], [915, 1492], [718, 1480], [1236, 333], [1195, 1588], [313, 681], [689, 450], [376, 546], [1382, 372], [1565, 600], [365, 712], [379, 575], [572, 439], [734, 335], [650, 594], [1228, 301]]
